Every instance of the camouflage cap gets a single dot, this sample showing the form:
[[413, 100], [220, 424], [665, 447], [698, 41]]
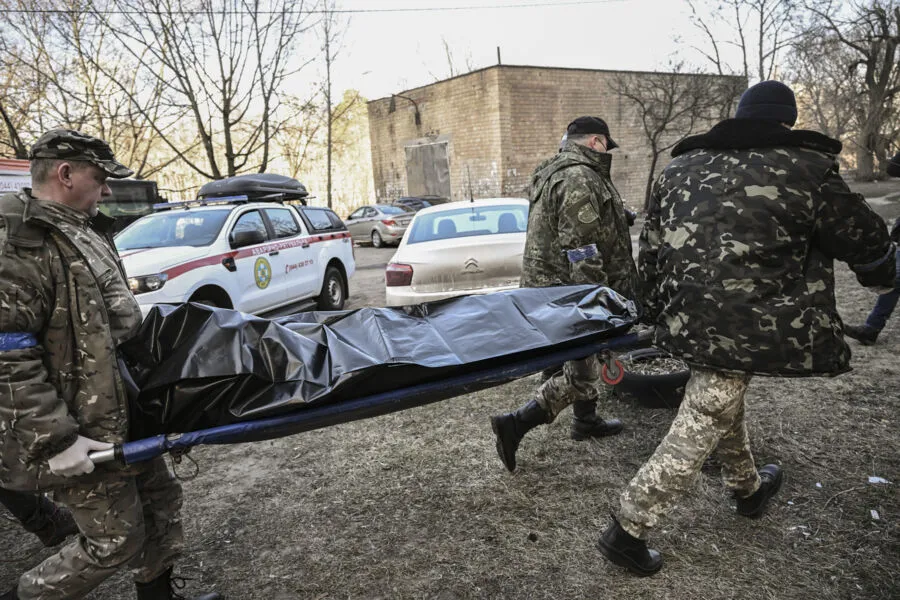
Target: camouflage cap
[[66, 144]]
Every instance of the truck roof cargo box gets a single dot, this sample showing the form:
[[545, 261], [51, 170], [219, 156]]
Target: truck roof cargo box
[[256, 186]]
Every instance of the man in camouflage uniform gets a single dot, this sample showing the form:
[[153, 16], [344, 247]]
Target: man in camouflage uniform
[[867, 333], [577, 234], [737, 262], [64, 308]]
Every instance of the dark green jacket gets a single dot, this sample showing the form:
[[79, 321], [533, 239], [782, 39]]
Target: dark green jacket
[[737, 253], [577, 229]]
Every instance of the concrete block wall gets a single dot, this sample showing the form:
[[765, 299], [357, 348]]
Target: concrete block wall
[[462, 111], [501, 122], [536, 106]]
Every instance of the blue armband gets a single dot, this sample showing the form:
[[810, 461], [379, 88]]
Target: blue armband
[[582, 253], [17, 341]]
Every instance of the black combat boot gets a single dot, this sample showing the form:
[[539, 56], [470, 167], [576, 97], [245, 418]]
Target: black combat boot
[[625, 550], [586, 424], [863, 334], [754, 506], [53, 524], [163, 588], [512, 427], [37, 514]]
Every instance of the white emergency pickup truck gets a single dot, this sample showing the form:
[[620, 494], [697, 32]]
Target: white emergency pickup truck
[[255, 257]]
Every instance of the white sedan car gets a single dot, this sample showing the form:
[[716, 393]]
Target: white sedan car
[[459, 248]]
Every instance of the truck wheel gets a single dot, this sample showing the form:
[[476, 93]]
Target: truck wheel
[[377, 242], [334, 292], [206, 302]]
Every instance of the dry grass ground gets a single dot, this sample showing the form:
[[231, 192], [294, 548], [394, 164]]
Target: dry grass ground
[[417, 505]]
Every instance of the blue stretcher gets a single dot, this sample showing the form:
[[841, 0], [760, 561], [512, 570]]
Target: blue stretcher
[[369, 406]]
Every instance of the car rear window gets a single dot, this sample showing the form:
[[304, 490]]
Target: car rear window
[[335, 220], [393, 210], [321, 219], [472, 220]]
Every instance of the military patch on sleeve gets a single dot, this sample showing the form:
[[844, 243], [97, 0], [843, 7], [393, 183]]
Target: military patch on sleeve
[[587, 214], [583, 253]]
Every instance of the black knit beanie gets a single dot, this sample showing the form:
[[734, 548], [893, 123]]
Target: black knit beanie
[[771, 100]]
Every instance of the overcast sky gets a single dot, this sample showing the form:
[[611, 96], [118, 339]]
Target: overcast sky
[[386, 52]]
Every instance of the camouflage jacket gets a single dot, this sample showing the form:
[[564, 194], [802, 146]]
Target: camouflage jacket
[[737, 253], [64, 285], [577, 229]]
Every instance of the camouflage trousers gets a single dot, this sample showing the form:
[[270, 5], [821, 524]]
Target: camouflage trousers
[[127, 520], [577, 381], [711, 417]]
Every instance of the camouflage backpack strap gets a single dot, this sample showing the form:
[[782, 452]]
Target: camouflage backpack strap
[[22, 234]]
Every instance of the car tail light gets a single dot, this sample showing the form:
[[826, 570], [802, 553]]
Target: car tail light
[[389, 222], [397, 274]]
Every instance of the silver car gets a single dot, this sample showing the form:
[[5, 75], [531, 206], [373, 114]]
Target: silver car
[[379, 224], [459, 248]]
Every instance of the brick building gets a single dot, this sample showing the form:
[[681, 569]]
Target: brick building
[[485, 131]]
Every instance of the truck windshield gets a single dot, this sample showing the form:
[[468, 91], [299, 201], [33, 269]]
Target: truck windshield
[[168, 229]]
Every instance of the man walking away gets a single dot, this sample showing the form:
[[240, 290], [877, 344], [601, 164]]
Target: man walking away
[[867, 334], [737, 261], [577, 234]]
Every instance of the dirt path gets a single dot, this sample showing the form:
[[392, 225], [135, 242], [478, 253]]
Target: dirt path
[[416, 504]]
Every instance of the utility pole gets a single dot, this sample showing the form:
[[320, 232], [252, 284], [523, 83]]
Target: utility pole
[[327, 31], [498, 56]]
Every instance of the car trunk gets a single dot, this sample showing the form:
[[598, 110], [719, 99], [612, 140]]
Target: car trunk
[[469, 263]]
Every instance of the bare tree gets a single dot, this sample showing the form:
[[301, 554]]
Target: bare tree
[[53, 57], [453, 66], [869, 33], [671, 106], [330, 31], [827, 99], [760, 31], [300, 139], [219, 66]]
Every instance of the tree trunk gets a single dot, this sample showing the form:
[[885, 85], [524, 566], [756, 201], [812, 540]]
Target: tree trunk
[[865, 158], [650, 179], [329, 109]]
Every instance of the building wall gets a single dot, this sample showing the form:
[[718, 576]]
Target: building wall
[[462, 111], [501, 122], [536, 106]]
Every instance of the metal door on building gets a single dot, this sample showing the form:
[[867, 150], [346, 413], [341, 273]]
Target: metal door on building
[[428, 170]]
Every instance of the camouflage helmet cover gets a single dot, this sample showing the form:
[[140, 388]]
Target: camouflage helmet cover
[[67, 144]]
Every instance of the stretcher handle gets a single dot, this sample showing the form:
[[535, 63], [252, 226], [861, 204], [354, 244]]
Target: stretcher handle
[[105, 456]]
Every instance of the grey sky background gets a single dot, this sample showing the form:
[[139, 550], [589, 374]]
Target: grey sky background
[[386, 52]]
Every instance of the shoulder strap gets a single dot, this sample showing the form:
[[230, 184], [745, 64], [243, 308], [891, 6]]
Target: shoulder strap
[[21, 233]]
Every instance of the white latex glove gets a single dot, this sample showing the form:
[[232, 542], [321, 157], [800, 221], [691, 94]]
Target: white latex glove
[[74, 460]]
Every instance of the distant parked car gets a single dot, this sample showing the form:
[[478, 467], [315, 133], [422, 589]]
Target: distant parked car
[[378, 224], [459, 248], [417, 203]]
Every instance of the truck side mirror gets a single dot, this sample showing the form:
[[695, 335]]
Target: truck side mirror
[[250, 237]]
